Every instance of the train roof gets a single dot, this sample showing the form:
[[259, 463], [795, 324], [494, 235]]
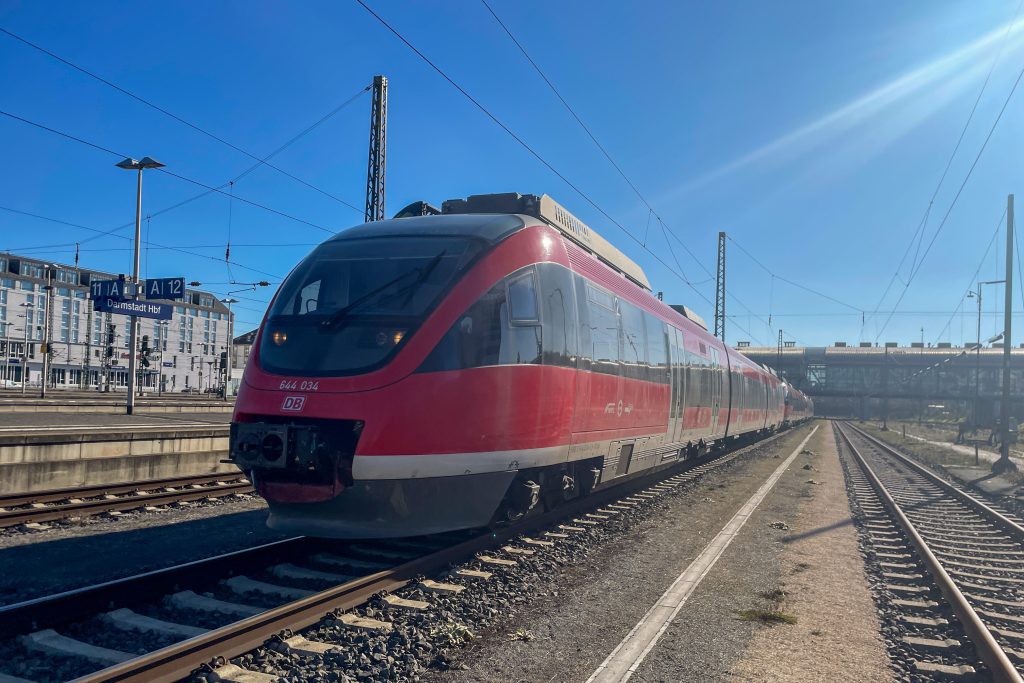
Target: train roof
[[495, 216], [557, 216], [490, 228]]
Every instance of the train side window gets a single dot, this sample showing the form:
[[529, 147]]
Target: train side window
[[585, 345], [633, 349], [657, 354], [522, 298], [603, 323]]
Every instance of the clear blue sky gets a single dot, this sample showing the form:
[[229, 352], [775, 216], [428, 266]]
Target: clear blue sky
[[812, 133]]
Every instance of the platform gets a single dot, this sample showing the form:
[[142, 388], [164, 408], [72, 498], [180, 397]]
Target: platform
[[40, 451]]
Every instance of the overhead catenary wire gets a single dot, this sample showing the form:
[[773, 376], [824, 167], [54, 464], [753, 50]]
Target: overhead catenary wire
[[177, 118], [604, 151], [974, 277], [956, 198], [917, 263], [533, 152], [183, 178], [248, 170], [781, 278], [124, 237]]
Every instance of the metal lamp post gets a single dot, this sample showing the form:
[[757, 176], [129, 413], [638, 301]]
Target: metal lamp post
[[1004, 464], [977, 353], [130, 164], [24, 346], [228, 347], [164, 328], [46, 329]]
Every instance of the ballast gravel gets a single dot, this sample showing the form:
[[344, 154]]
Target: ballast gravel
[[500, 629], [37, 564]]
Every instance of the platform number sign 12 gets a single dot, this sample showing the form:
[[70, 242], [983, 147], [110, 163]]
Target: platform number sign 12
[[165, 288]]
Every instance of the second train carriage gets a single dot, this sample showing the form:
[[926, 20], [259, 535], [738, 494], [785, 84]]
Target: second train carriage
[[439, 372]]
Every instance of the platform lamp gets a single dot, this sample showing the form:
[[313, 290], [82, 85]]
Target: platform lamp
[[976, 294], [130, 164], [228, 347], [24, 345]]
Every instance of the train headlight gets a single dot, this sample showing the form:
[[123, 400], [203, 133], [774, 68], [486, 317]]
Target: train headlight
[[279, 337], [390, 338]]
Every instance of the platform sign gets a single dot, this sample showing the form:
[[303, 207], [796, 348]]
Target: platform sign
[[113, 289], [143, 309], [172, 288]]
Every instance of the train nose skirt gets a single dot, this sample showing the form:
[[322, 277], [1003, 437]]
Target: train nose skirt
[[391, 508]]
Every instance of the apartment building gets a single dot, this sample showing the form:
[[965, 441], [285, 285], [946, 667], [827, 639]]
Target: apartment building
[[36, 296]]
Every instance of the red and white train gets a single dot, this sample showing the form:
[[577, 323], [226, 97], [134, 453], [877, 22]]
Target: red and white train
[[439, 372]]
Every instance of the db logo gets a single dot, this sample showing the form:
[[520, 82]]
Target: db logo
[[294, 403]]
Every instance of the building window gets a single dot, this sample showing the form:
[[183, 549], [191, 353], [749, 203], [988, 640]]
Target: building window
[[7, 282], [31, 270], [68, 276], [63, 291], [26, 285]]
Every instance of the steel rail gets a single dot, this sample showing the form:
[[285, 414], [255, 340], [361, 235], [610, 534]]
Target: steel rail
[[119, 488], [180, 660], [87, 508], [990, 652], [81, 603], [1008, 525]]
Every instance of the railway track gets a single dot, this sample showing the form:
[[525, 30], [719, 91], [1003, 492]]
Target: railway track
[[951, 565], [58, 504], [206, 612]]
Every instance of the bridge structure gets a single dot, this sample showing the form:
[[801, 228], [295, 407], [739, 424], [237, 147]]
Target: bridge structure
[[875, 381]]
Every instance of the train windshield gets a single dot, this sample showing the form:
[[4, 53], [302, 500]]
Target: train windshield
[[351, 303]]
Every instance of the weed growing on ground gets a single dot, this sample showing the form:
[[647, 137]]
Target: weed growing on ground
[[451, 634], [774, 595], [769, 616]]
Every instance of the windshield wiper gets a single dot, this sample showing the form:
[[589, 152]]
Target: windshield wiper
[[342, 313], [410, 289]]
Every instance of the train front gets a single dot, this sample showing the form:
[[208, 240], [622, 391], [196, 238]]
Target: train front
[[357, 416]]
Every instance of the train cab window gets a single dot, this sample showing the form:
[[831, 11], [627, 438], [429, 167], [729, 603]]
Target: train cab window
[[352, 302], [488, 333], [307, 299], [522, 299], [558, 315]]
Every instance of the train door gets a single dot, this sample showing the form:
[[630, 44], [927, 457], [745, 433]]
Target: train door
[[678, 377], [716, 391], [727, 394]]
